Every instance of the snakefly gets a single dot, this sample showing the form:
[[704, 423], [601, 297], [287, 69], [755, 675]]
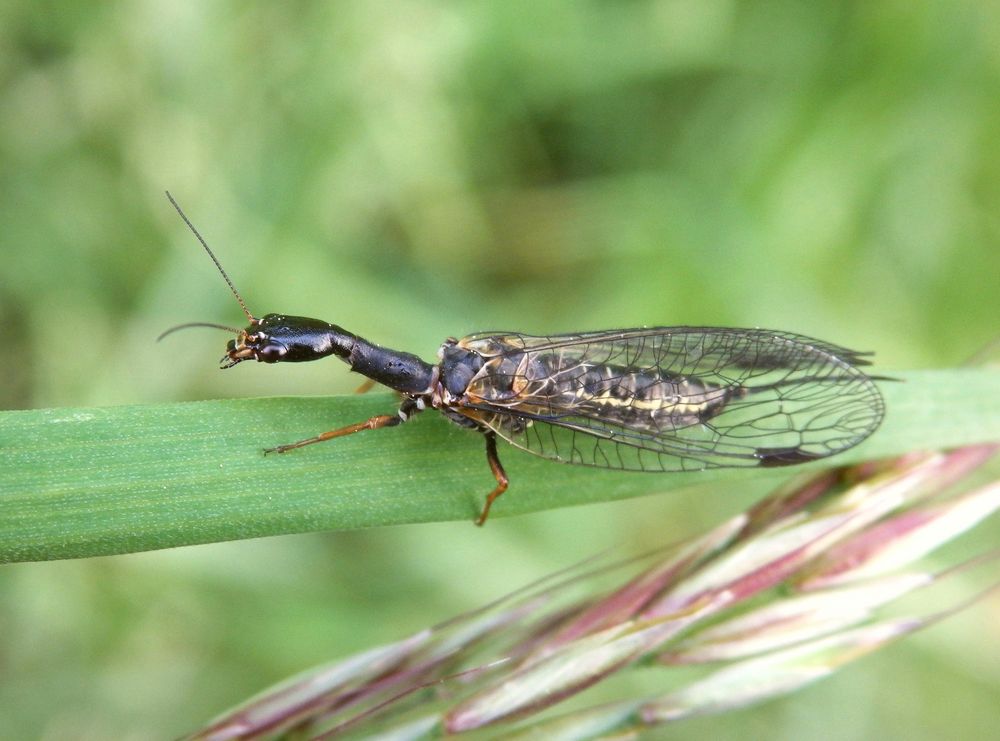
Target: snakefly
[[649, 399]]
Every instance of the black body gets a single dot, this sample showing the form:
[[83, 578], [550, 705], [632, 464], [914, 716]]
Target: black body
[[277, 338]]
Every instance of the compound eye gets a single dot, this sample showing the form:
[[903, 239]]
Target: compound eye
[[271, 353]]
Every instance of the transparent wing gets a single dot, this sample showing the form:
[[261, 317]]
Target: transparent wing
[[673, 398]]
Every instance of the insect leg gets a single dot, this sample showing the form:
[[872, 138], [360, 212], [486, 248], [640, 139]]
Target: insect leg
[[498, 472], [376, 422], [365, 387], [381, 420]]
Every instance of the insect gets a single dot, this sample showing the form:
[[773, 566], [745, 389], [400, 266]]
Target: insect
[[649, 399]]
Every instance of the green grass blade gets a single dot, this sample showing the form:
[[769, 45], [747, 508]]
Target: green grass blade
[[87, 482]]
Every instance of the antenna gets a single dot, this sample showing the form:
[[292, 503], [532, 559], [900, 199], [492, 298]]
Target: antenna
[[213, 325], [214, 259]]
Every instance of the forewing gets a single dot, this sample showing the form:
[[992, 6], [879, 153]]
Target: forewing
[[721, 397]]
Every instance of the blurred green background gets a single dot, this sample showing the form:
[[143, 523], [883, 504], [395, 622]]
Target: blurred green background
[[415, 170]]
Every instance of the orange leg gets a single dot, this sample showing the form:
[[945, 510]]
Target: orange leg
[[367, 385], [498, 473], [381, 420]]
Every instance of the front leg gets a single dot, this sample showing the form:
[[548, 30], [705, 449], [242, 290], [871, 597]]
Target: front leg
[[407, 408]]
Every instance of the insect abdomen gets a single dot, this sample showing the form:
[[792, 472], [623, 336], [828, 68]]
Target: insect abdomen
[[544, 384], [647, 399]]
